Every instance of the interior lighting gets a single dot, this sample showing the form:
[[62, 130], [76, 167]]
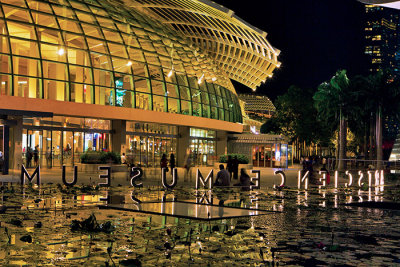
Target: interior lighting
[[201, 79], [129, 63], [61, 51], [170, 73]]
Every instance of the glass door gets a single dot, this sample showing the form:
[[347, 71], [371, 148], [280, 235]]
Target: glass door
[[32, 147], [68, 148]]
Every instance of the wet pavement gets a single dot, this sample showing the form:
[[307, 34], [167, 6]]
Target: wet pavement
[[55, 225]]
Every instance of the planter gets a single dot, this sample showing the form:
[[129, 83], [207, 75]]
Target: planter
[[246, 166]]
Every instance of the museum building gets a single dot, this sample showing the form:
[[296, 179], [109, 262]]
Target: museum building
[[142, 77]]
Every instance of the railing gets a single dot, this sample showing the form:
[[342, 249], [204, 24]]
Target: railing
[[351, 164]]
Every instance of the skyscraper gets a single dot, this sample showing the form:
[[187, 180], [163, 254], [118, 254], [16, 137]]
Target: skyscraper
[[381, 38]]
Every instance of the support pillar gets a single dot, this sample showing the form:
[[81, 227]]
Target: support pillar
[[222, 143], [182, 149], [118, 137], [15, 150]]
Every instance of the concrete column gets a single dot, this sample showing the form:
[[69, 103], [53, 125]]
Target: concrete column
[[182, 149], [15, 151], [222, 143], [118, 136]]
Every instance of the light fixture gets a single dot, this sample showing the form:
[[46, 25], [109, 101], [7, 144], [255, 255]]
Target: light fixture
[[201, 79], [278, 65], [61, 51], [214, 79], [170, 73], [129, 63]]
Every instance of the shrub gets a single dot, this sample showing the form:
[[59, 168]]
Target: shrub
[[243, 159], [96, 157]]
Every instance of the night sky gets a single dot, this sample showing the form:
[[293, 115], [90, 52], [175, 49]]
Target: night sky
[[316, 38]]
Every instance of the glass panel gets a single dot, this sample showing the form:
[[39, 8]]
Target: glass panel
[[19, 3], [53, 52], [117, 50], [24, 48], [3, 28], [5, 63], [139, 69], [55, 90], [104, 96], [100, 61], [78, 57], [79, 74], [142, 84], [17, 29], [206, 111], [157, 88], [111, 35], [50, 36], [67, 153], [124, 98], [196, 95], [214, 113], [173, 105], [159, 103], [123, 81], [186, 107], [196, 109], [91, 30], [40, 6], [69, 25], [26, 87], [46, 152], [96, 45], [142, 101], [74, 40], [16, 14], [56, 150], [78, 146], [63, 11], [5, 84], [172, 90], [85, 17], [103, 78], [44, 20], [26, 66], [122, 65], [53, 70]]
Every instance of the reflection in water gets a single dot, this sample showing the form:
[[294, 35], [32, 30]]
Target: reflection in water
[[304, 218]]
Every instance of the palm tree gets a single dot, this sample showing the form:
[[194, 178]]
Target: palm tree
[[333, 101], [382, 93]]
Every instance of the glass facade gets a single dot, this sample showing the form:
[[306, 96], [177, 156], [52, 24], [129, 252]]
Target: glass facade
[[101, 52], [61, 140], [202, 146], [147, 142]]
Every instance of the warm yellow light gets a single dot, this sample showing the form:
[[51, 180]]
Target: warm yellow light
[[129, 63], [201, 79], [214, 79], [61, 51], [170, 73], [278, 65]]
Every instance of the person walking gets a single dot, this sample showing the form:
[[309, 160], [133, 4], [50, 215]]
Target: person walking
[[36, 155], [172, 162], [164, 162]]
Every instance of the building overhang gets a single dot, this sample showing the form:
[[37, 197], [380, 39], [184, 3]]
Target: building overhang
[[23, 105], [238, 48], [386, 3]]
